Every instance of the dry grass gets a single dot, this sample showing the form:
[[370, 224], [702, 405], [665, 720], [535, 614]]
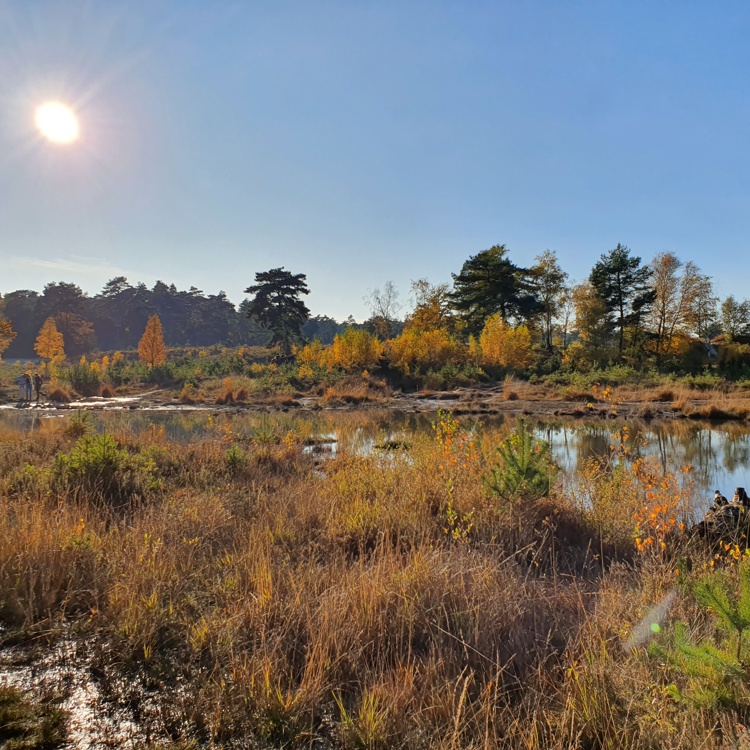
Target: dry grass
[[59, 394], [347, 608], [356, 390]]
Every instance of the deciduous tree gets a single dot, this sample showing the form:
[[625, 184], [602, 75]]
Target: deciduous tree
[[354, 349], [276, 305], [7, 334], [594, 326], [418, 351], [432, 308], [384, 309], [78, 333], [704, 320], [675, 285], [548, 281], [49, 343], [151, 347], [735, 317], [503, 345]]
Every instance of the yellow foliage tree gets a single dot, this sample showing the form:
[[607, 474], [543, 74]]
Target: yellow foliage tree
[[420, 350], [312, 355], [151, 347], [7, 334], [49, 343], [499, 344], [354, 349]]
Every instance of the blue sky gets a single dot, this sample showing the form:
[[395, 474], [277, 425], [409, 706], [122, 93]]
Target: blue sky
[[360, 142]]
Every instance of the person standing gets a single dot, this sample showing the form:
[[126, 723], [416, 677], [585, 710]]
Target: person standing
[[38, 385], [28, 386], [21, 383]]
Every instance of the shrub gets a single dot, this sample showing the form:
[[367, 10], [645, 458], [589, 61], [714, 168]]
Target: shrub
[[354, 349], [416, 351], [83, 379], [98, 467], [501, 345]]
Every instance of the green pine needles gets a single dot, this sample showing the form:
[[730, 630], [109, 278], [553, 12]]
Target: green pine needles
[[713, 671], [525, 471]]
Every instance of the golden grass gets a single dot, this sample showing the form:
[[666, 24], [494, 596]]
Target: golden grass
[[297, 606], [355, 390]]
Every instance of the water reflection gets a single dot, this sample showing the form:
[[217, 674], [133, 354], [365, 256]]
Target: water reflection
[[718, 454]]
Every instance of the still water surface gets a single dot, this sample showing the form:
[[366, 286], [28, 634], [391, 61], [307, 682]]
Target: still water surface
[[719, 454]]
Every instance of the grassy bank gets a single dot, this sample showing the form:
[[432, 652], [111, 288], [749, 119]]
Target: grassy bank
[[395, 600]]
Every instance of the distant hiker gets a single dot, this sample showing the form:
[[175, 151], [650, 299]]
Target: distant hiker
[[28, 386], [21, 383], [38, 386]]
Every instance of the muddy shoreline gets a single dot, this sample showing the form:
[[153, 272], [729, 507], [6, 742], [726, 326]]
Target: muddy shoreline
[[461, 401]]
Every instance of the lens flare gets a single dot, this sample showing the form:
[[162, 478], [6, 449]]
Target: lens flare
[[57, 122]]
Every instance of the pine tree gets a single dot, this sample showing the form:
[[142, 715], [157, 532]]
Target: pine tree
[[525, 471], [713, 671], [624, 286], [151, 347], [490, 283], [49, 343], [277, 307]]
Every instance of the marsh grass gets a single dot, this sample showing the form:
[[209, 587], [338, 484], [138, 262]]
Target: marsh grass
[[384, 600], [26, 724]]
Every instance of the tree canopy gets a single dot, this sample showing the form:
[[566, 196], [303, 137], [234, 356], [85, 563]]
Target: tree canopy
[[623, 285], [490, 283], [276, 305]]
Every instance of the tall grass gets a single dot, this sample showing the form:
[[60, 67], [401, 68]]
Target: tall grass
[[378, 601]]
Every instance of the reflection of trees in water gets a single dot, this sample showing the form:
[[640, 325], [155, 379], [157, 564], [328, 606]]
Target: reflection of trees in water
[[736, 452], [719, 454], [681, 444]]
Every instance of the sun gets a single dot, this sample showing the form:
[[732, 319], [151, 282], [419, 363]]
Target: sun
[[57, 122]]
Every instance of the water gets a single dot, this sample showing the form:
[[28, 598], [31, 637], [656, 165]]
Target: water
[[719, 454]]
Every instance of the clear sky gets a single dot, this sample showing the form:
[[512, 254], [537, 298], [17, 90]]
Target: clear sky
[[360, 142]]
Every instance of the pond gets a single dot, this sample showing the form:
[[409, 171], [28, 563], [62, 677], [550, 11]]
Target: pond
[[719, 454]]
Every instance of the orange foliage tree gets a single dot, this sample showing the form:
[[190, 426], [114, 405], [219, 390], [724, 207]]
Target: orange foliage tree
[[500, 344], [419, 350], [151, 347], [49, 343], [7, 334]]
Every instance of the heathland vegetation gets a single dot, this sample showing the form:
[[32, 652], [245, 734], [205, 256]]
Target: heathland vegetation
[[236, 591], [655, 331], [232, 591], [495, 316]]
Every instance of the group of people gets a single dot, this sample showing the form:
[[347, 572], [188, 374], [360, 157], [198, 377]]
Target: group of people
[[725, 516], [27, 383]]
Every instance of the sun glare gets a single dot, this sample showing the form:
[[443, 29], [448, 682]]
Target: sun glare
[[57, 122]]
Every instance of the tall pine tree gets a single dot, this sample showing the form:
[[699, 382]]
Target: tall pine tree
[[490, 283], [624, 286], [276, 305]]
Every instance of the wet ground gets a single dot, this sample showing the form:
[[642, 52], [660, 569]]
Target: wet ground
[[475, 401], [63, 676]]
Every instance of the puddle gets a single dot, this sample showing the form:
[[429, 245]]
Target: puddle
[[65, 670]]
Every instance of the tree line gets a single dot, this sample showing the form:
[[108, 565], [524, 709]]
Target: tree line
[[116, 318], [662, 312]]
